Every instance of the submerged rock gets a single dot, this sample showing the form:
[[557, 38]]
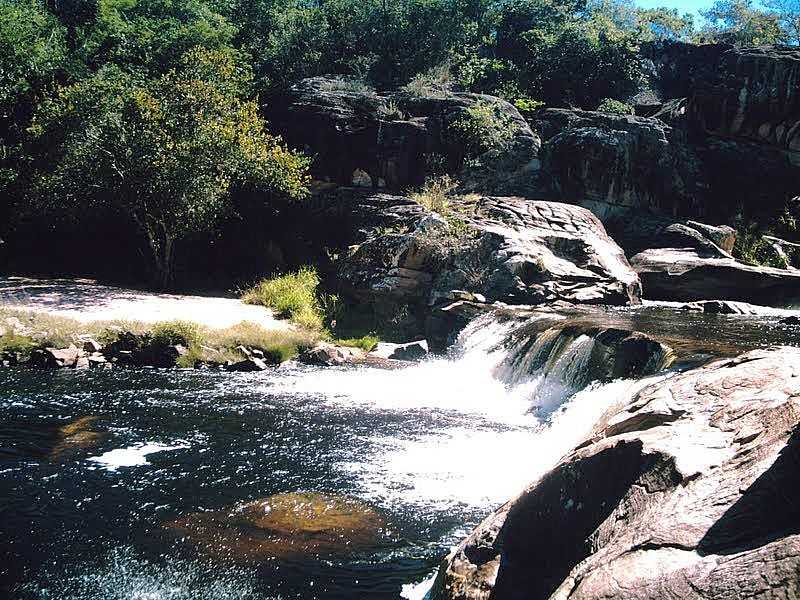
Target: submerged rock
[[77, 434], [296, 524], [681, 491]]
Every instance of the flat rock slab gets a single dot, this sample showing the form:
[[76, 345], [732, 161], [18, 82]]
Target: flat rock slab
[[684, 274]]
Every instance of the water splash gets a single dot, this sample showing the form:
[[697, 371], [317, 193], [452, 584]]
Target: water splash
[[123, 574]]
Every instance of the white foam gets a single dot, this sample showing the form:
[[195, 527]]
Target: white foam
[[132, 456]]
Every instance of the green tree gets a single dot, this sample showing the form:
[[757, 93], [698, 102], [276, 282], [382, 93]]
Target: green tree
[[33, 60], [166, 152], [741, 23], [664, 24], [788, 13]]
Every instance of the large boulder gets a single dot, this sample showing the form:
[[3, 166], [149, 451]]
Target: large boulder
[[686, 274], [513, 250], [369, 139], [682, 491]]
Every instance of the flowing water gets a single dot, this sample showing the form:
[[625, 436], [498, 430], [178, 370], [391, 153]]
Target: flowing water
[[298, 482]]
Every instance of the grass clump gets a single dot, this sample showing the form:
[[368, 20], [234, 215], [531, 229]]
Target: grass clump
[[292, 296], [436, 194], [22, 345], [434, 83], [172, 333], [483, 129], [366, 342]]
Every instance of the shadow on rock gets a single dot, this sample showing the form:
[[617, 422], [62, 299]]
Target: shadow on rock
[[767, 511]]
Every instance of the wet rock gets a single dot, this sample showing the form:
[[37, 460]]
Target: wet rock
[[55, 358], [684, 274], [98, 361], [91, 346], [729, 307], [409, 351], [298, 524], [696, 507], [325, 354], [247, 365], [790, 321]]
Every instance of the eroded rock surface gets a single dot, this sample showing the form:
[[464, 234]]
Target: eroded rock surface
[[510, 249], [686, 274], [683, 491]]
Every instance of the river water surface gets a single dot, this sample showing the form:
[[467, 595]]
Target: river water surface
[[118, 484]]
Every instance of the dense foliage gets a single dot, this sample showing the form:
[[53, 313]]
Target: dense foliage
[[146, 113]]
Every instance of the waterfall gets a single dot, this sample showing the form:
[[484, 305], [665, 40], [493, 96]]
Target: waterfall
[[550, 358]]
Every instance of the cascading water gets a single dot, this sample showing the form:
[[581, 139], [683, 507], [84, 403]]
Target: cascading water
[[431, 448]]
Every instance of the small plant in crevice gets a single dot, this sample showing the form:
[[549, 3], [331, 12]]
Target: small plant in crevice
[[615, 107], [390, 111]]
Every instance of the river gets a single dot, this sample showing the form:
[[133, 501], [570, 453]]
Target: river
[[166, 484]]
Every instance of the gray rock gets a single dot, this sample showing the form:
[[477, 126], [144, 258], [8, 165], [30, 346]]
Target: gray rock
[[325, 354], [91, 345], [680, 492], [683, 274], [515, 250], [357, 142], [410, 351], [55, 358], [247, 365], [730, 307]]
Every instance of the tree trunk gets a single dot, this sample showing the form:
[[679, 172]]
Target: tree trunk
[[163, 261]]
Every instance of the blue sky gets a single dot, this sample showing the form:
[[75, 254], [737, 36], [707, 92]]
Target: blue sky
[[683, 6]]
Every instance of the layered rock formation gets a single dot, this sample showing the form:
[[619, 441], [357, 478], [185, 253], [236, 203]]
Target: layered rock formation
[[699, 504], [512, 250], [391, 140], [686, 274]]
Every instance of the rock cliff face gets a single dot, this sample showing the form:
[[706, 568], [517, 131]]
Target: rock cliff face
[[391, 140], [726, 137], [617, 164], [683, 491]]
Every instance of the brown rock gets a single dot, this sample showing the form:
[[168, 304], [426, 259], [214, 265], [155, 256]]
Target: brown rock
[[681, 492]]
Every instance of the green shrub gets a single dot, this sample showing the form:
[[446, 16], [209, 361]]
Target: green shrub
[[12, 343], [292, 296], [526, 105], [751, 248], [615, 107], [171, 333], [482, 128]]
